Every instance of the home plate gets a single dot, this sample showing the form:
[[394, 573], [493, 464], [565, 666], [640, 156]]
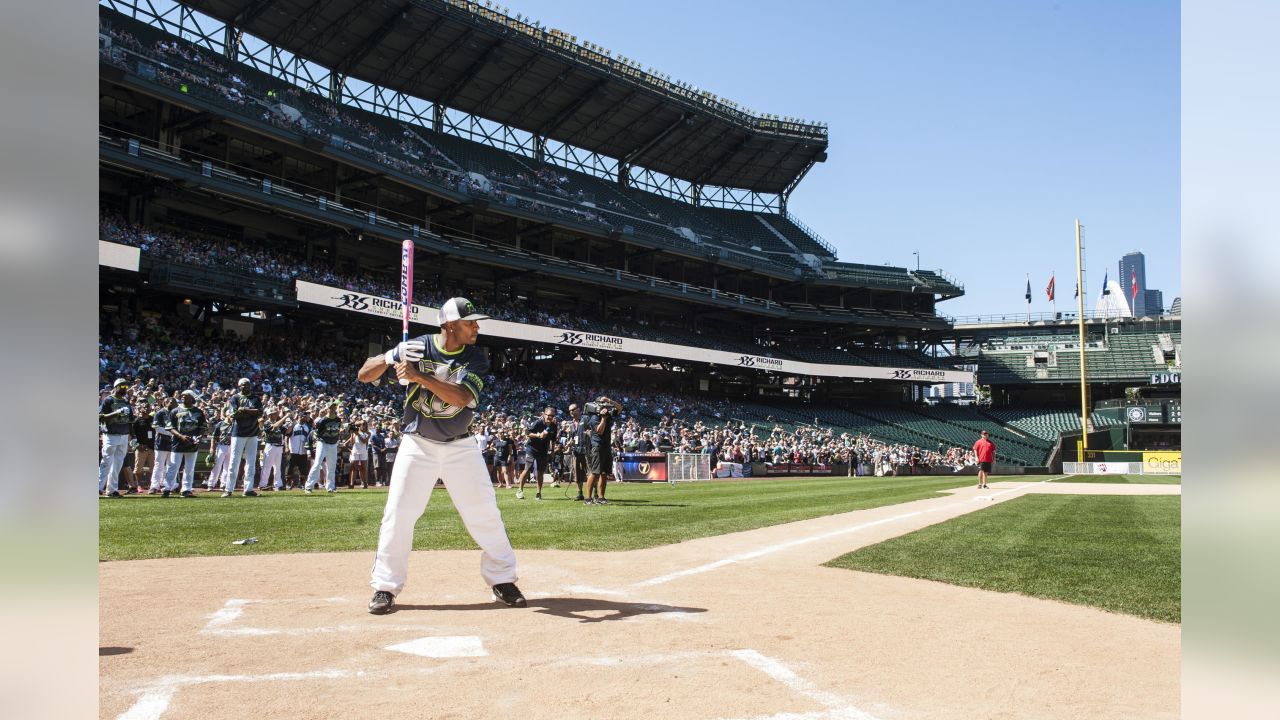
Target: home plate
[[442, 647]]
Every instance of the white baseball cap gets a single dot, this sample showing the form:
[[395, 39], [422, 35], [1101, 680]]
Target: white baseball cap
[[459, 308], [243, 381]]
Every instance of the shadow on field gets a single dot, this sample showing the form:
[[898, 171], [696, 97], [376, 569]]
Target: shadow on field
[[646, 503], [111, 650], [586, 610]]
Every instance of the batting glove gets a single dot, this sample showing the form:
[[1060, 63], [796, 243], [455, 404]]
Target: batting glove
[[407, 351]]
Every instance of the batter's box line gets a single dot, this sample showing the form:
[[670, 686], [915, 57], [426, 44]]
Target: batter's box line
[[155, 697], [233, 610]]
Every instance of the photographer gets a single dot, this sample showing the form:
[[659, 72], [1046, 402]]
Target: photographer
[[599, 420]]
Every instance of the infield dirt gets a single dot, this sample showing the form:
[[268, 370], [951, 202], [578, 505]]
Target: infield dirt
[[748, 625]]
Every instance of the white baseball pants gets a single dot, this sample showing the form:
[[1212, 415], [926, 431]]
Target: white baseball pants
[[419, 463], [160, 470], [241, 447], [325, 453], [188, 462], [271, 456], [219, 469], [114, 448]]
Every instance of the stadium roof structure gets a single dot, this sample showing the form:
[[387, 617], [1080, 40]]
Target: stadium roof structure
[[472, 58]]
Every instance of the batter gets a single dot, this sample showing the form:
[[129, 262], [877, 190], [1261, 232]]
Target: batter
[[445, 381]]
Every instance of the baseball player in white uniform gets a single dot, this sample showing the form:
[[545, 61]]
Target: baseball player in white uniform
[[187, 424], [445, 382], [273, 429], [164, 445], [219, 448], [116, 417], [243, 410]]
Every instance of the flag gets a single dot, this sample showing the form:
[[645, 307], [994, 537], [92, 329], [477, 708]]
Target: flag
[[1073, 297], [1028, 291], [1133, 286], [1049, 290], [1105, 289]]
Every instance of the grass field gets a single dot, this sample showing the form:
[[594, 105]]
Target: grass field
[[1124, 479], [1120, 553], [641, 515]]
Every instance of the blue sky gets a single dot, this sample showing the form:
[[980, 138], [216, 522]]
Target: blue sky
[[972, 132]]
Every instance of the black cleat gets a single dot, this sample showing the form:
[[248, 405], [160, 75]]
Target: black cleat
[[508, 594], [250, 493], [601, 501], [579, 498], [188, 493], [381, 602], [114, 494]]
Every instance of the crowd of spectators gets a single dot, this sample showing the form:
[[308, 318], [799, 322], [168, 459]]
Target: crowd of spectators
[[278, 263], [163, 357]]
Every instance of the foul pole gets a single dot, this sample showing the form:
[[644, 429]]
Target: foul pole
[[1084, 403]]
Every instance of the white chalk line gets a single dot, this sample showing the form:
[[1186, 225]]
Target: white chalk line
[[154, 699], [779, 547], [837, 707], [233, 610]]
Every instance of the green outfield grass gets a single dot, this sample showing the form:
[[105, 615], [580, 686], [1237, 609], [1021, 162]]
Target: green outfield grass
[[1119, 553], [641, 515], [1124, 479]]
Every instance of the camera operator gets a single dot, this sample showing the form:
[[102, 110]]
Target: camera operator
[[599, 419]]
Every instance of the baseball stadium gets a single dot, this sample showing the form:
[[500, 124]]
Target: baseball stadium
[[742, 477]]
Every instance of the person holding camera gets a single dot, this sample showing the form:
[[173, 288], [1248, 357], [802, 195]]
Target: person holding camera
[[599, 421]]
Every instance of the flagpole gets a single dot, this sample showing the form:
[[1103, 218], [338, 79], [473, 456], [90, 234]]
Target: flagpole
[[1084, 403], [1054, 299]]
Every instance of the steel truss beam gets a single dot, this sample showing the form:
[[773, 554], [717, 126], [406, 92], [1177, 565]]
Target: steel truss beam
[[486, 104], [631, 157], [429, 67], [410, 53], [461, 81], [301, 22], [251, 13], [572, 108], [371, 43]]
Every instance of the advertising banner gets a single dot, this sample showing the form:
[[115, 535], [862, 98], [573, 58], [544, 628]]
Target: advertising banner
[[125, 257], [796, 469], [643, 467], [1111, 468], [340, 299], [1162, 463]]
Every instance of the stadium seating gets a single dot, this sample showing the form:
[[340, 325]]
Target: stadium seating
[[1128, 355]]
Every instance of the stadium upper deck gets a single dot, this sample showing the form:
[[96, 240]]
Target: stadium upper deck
[[472, 57]]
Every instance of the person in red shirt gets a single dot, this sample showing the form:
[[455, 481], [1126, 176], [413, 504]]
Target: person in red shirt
[[986, 452]]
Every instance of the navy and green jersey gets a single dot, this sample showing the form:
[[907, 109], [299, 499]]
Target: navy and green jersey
[[244, 426], [117, 424], [328, 430], [273, 433], [160, 420], [222, 432], [189, 421], [432, 417]]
